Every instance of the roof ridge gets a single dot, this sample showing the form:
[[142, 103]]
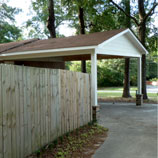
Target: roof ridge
[[19, 45], [91, 33]]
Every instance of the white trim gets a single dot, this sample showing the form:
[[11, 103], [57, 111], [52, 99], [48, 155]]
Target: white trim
[[139, 75], [94, 78], [49, 51], [105, 52], [46, 55]]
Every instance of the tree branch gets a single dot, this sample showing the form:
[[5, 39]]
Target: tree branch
[[150, 11], [133, 18]]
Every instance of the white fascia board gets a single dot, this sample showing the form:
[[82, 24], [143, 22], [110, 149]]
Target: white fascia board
[[113, 53], [49, 51]]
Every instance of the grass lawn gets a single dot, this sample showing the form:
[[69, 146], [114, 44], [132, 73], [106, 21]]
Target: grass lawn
[[152, 96], [117, 88]]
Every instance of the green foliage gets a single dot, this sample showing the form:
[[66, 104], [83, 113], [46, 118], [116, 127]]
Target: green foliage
[[151, 69], [99, 15], [75, 142], [152, 44], [110, 72], [8, 31], [154, 79], [38, 24]]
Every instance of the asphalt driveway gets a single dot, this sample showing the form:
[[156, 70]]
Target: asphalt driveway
[[132, 131]]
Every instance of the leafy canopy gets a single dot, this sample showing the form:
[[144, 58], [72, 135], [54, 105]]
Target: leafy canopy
[[8, 31]]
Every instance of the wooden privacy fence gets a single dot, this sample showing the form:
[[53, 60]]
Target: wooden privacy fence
[[38, 105]]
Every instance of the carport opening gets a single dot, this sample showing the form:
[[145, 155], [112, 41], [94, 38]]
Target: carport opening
[[110, 75]]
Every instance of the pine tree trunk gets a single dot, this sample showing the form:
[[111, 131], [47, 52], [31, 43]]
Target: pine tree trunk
[[82, 31], [126, 90], [51, 20], [141, 33], [126, 86]]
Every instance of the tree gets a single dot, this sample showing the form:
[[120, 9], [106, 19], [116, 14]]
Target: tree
[[126, 86], [141, 22], [8, 31], [48, 15], [51, 19], [82, 31], [77, 7]]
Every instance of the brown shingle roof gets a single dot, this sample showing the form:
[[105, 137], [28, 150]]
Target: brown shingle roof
[[4, 47], [66, 42]]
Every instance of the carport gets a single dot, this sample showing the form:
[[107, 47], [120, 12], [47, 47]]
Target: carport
[[103, 45]]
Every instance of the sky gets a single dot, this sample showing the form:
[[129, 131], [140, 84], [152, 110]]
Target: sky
[[24, 16]]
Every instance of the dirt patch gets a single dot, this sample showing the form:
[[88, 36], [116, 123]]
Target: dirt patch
[[81, 143], [126, 100]]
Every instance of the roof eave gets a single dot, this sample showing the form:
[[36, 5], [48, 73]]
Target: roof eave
[[55, 52]]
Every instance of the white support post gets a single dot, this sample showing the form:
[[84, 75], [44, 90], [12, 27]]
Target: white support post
[[139, 76], [94, 78]]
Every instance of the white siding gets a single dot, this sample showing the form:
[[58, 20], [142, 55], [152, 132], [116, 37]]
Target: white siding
[[120, 46]]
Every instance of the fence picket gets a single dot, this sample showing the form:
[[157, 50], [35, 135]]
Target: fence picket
[[38, 105], [1, 115]]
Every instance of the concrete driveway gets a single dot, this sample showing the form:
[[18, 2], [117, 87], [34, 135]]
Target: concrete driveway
[[132, 131]]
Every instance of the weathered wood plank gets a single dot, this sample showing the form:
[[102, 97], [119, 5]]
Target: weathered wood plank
[[55, 103], [42, 106], [58, 106], [25, 96], [6, 111], [49, 102], [13, 112], [38, 105], [38, 110], [17, 110], [44, 109], [31, 109], [46, 104], [1, 114], [21, 109]]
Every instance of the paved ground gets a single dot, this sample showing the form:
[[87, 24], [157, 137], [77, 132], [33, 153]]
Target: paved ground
[[132, 131]]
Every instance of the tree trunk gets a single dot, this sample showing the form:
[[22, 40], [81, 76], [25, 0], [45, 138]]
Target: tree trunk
[[126, 86], [82, 31], [83, 66], [126, 90], [51, 20], [141, 34]]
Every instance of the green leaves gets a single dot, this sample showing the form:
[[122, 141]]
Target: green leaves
[[7, 13], [8, 31], [38, 24]]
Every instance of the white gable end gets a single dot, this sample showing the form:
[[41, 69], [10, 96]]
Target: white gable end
[[120, 46]]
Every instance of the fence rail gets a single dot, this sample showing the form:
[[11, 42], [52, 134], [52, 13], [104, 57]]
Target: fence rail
[[38, 105]]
